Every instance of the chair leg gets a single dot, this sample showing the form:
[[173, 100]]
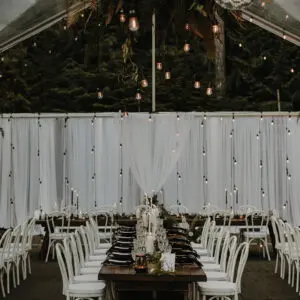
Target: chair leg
[[267, 249], [14, 274], [17, 265], [48, 251], [8, 278], [2, 285], [29, 263], [289, 270], [293, 275], [276, 264], [297, 280]]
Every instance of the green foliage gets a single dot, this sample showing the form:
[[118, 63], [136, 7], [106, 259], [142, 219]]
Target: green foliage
[[87, 57]]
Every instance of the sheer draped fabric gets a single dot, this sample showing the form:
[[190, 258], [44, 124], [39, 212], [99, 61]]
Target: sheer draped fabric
[[43, 157]]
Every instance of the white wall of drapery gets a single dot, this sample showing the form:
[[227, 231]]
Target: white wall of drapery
[[187, 157]]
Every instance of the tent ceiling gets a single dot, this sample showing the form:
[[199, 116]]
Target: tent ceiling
[[280, 17], [20, 20]]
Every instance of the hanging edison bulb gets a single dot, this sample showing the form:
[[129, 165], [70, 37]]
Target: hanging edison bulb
[[122, 16], [133, 23], [159, 66], [197, 84], [187, 27], [186, 47], [209, 91], [215, 28], [168, 75], [100, 95], [144, 83], [138, 95]]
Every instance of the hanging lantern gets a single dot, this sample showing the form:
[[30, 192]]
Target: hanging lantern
[[133, 23], [209, 91], [234, 4], [138, 95], [144, 83], [187, 27], [197, 84], [100, 95], [186, 47], [159, 66], [168, 75], [215, 28], [122, 16]]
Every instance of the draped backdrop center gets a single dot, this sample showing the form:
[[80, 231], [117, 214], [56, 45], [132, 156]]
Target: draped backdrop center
[[190, 158]]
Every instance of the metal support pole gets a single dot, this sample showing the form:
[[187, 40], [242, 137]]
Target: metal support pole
[[153, 64]]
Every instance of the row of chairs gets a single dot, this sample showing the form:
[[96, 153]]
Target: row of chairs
[[80, 257], [15, 247], [59, 227], [287, 244], [223, 261]]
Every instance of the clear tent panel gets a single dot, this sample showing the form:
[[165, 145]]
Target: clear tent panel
[[21, 19]]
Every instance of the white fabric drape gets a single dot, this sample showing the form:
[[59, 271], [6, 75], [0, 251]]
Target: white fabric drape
[[153, 146], [260, 158]]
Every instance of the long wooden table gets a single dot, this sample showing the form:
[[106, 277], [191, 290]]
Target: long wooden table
[[123, 279]]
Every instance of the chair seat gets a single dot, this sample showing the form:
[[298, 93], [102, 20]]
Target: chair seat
[[104, 246], [202, 252], [217, 288], [89, 270], [87, 288], [197, 246], [93, 264], [216, 276], [97, 257], [255, 234], [211, 267], [100, 251], [87, 278], [208, 259], [58, 235]]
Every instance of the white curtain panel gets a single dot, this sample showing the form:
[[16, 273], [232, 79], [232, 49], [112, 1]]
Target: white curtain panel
[[6, 178], [153, 145], [114, 161]]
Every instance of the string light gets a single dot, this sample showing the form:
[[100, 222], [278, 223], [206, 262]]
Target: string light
[[138, 95], [159, 66], [284, 36], [187, 27], [289, 132], [202, 124], [272, 122], [168, 75], [186, 47], [240, 45], [99, 94], [197, 84], [215, 28], [287, 160], [144, 83], [178, 117], [122, 16], [133, 23], [292, 70], [150, 118], [209, 91], [204, 153]]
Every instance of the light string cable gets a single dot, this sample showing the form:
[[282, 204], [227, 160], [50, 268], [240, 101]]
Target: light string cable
[[121, 181], [65, 163], [93, 152]]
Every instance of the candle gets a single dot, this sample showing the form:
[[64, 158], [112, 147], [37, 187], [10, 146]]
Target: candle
[[77, 201], [237, 196], [226, 200]]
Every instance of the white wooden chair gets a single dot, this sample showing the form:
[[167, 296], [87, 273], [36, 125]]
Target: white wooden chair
[[231, 288], [72, 289], [4, 252], [58, 224], [227, 256], [178, 209], [203, 237], [257, 233]]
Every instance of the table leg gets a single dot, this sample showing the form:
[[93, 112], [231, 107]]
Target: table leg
[[154, 295]]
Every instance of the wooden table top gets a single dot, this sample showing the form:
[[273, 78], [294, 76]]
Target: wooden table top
[[184, 273]]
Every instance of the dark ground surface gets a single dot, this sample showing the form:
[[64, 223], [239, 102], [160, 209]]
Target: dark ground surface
[[259, 283]]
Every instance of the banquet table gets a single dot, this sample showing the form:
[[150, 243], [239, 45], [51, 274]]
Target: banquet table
[[123, 279]]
